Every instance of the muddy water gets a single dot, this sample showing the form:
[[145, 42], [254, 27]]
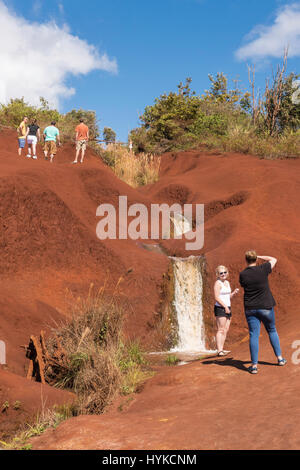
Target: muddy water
[[188, 290]]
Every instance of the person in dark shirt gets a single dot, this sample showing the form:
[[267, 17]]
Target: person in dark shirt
[[32, 138], [259, 305]]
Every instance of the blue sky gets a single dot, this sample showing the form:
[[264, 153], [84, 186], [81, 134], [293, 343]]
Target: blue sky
[[152, 46]]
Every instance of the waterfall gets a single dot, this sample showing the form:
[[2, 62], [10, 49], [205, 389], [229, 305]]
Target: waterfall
[[2, 353], [188, 304]]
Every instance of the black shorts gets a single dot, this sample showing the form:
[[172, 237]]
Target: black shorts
[[220, 312]]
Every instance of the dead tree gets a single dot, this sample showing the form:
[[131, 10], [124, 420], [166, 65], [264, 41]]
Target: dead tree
[[256, 101], [42, 362], [273, 96]]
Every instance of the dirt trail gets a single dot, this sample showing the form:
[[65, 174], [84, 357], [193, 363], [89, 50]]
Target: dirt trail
[[49, 245], [211, 404]]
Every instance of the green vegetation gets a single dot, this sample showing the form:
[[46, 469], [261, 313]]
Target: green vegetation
[[109, 136], [171, 360], [45, 420], [224, 118], [13, 113]]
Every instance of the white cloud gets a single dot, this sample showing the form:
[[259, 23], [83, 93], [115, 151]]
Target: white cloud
[[36, 59], [270, 41]]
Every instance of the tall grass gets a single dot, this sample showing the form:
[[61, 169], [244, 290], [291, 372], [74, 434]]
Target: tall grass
[[245, 140], [92, 358], [47, 418], [135, 170]]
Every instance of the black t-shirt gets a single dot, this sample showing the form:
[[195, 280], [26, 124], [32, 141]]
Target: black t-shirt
[[33, 128], [257, 294]]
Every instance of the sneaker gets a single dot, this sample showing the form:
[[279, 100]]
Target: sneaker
[[28, 156], [252, 369], [282, 362], [34, 157], [74, 163]]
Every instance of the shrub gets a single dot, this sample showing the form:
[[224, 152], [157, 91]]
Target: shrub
[[92, 358], [48, 418], [224, 119]]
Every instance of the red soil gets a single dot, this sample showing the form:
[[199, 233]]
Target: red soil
[[49, 244]]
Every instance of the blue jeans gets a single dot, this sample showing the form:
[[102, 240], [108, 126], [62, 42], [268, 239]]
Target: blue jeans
[[254, 318]]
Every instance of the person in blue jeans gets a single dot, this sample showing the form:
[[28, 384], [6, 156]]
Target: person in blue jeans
[[259, 305]]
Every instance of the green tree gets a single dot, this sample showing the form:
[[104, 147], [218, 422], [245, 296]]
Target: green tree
[[89, 117], [109, 135], [219, 90], [12, 113], [179, 120]]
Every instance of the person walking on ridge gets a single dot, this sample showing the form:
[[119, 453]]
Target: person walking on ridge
[[259, 305], [51, 135], [33, 137], [222, 308], [82, 137], [22, 134]]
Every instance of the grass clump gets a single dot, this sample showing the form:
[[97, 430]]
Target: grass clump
[[92, 358], [133, 367], [135, 170], [172, 360], [44, 420]]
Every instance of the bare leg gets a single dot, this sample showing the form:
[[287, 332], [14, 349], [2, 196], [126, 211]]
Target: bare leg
[[82, 155], [221, 332], [77, 155], [51, 158], [227, 326], [34, 149]]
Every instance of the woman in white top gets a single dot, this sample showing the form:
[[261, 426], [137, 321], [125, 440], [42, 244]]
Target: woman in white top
[[222, 309]]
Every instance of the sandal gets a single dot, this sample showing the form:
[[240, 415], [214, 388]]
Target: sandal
[[222, 353], [253, 369]]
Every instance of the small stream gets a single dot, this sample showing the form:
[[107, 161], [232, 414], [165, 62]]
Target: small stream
[[188, 292]]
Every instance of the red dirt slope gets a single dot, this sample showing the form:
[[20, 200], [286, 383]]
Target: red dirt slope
[[50, 253], [216, 403], [49, 244]]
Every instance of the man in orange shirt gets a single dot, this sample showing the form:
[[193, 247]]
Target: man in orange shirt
[[82, 137]]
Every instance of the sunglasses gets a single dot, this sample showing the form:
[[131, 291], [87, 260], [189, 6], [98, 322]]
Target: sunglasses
[[225, 272]]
